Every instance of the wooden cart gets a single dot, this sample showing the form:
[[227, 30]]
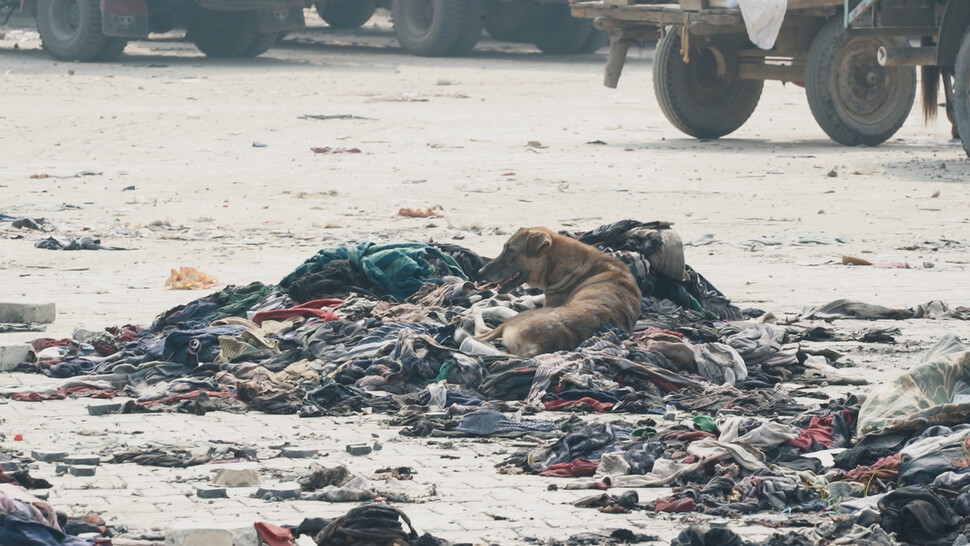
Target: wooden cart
[[708, 76]]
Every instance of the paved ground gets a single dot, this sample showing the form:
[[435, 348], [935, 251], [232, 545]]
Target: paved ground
[[504, 138]]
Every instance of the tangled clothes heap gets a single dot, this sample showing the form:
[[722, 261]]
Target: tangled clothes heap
[[391, 327]]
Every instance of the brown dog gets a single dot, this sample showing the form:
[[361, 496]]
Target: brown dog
[[585, 289]]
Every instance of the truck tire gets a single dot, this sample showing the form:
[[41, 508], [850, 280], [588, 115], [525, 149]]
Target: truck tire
[[474, 24], [557, 32], [961, 91], [345, 13], [261, 44], [694, 98], [854, 99], [509, 20], [113, 48], [596, 41], [226, 34], [429, 28], [70, 30]]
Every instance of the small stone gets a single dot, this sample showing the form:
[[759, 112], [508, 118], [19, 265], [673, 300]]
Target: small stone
[[49, 456], [82, 470], [358, 449], [299, 452], [206, 492], [833, 173], [378, 446]]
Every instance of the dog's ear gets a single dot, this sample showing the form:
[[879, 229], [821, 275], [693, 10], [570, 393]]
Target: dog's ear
[[536, 242]]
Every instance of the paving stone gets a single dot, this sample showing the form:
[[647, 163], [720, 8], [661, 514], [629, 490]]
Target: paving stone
[[208, 492], [212, 534], [12, 354], [104, 409], [299, 452], [49, 456], [284, 490], [358, 449], [86, 460], [12, 465], [82, 470], [27, 312]]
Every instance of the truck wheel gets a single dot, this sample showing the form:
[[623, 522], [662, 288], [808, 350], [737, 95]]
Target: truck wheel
[[596, 41], [70, 30], [854, 99], [224, 34], [430, 28], [692, 95], [557, 32], [113, 48], [261, 44], [474, 24], [345, 13], [508, 20]]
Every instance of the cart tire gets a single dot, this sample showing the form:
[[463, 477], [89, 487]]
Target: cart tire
[[430, 28], [961, 92], [557, 32], [694, 98], [70, 30], [854, 99], [345, 13]]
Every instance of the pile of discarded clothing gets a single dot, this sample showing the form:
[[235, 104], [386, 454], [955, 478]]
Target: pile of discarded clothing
[[393, 328], [28, 519]]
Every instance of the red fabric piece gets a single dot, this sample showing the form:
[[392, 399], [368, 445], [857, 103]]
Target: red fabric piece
[[61, 393], [594, 404], [42, 343], [690, 436], [667, 504], [576, 469], [191, 395], [314, 308], [819, 430], [273, 535]]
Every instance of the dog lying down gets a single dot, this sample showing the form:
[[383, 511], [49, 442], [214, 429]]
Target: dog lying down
[[584, 288]]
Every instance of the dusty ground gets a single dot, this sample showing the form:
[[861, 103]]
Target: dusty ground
[[207, 163]]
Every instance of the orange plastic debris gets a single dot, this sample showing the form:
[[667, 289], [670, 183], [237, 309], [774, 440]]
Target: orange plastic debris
[[189, 278]]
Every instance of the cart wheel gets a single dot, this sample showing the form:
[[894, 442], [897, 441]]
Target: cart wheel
[[854, 99], [694, 98], [961, 92]]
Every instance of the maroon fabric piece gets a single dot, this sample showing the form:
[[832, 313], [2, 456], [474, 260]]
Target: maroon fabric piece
[[594, 404], [819, 430], [314, 308], [576, 469], [668, 504]]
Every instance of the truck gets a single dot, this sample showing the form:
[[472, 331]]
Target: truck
[[438, 28], [99, 30], [856, 59]]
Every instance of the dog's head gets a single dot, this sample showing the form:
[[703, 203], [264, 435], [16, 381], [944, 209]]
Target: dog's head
[[522, 260]]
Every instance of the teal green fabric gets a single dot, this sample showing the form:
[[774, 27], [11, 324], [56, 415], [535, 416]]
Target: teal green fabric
[[397, 270]]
